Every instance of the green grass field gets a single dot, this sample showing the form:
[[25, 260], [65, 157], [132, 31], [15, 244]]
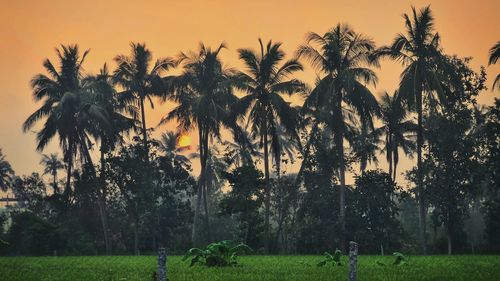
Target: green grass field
[[260, 268]]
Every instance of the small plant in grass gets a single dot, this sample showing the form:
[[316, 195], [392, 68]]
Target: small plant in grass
[[222, 253], [331, 259], [400, 259]]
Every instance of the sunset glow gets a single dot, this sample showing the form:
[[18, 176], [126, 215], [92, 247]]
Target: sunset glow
[[184, 141]]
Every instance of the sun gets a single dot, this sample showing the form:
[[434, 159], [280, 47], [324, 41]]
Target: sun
[[184, 141]]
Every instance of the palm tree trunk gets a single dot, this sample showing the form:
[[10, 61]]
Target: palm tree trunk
[[200, 188], [54, 183], [305, 154], [395, 160], [362, 165], [100, 199], [136, 237], [206, 185], [420, 187], [267, 190], [389, 152], [448, 237], [107, 241], [340, 148], [395, 171], [69, 162], [144, 131]]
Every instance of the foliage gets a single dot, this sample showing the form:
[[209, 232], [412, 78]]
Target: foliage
[[222, 253], [6, 173], [244, 200], [491, 146], [400, 259], [374, 210], [334, 259]]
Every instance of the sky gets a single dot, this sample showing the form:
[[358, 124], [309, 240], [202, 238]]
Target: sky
[[30, 30]]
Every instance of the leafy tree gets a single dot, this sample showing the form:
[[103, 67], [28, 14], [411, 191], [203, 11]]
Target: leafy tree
[[491, 148], [420, 53], [204, 94], [286, 202], [375, 211], [30, 192], [133, 176], [244, 200], [52, 164], [342, 56], [32, 235], [6, 173], [140, 79], [451, 157]]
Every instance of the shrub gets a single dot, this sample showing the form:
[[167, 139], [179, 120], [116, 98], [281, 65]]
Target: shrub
[[222, 253], [332, 259]]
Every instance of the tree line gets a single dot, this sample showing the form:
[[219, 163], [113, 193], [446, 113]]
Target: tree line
[[142, 192]]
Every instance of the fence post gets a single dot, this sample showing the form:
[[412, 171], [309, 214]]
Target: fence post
[[162, 265], [353, 260]]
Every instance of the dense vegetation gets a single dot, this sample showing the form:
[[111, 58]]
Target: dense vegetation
[[128, 188]]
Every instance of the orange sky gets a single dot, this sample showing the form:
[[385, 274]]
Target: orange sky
[[29, 31]]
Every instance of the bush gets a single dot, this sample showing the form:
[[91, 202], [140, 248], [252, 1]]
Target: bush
[[222, 253]]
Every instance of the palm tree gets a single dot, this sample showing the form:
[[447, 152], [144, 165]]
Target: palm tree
[[420, 53], [398, 130], [239, 152], [52, 164], [67, 107], [70, 110], [169, 146], [100, 90], [264, 83], [364, 143], [204, 94], [140, 80], [6, 173], [282, 145], [494, 55], [342, 56]]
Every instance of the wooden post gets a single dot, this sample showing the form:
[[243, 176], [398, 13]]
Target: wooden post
[[162, 265], [353, 260]]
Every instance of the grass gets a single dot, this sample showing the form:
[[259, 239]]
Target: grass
[[261, 268]]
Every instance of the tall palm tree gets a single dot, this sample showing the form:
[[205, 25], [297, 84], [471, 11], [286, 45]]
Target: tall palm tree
[[6, 173], [267, 77], [169, 146], [67, 108], [100, 90], [342, 56], [70, 110], [420, 53], [52, 164], [494, 56], [140, 79], [204, 94], [398, 129]]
